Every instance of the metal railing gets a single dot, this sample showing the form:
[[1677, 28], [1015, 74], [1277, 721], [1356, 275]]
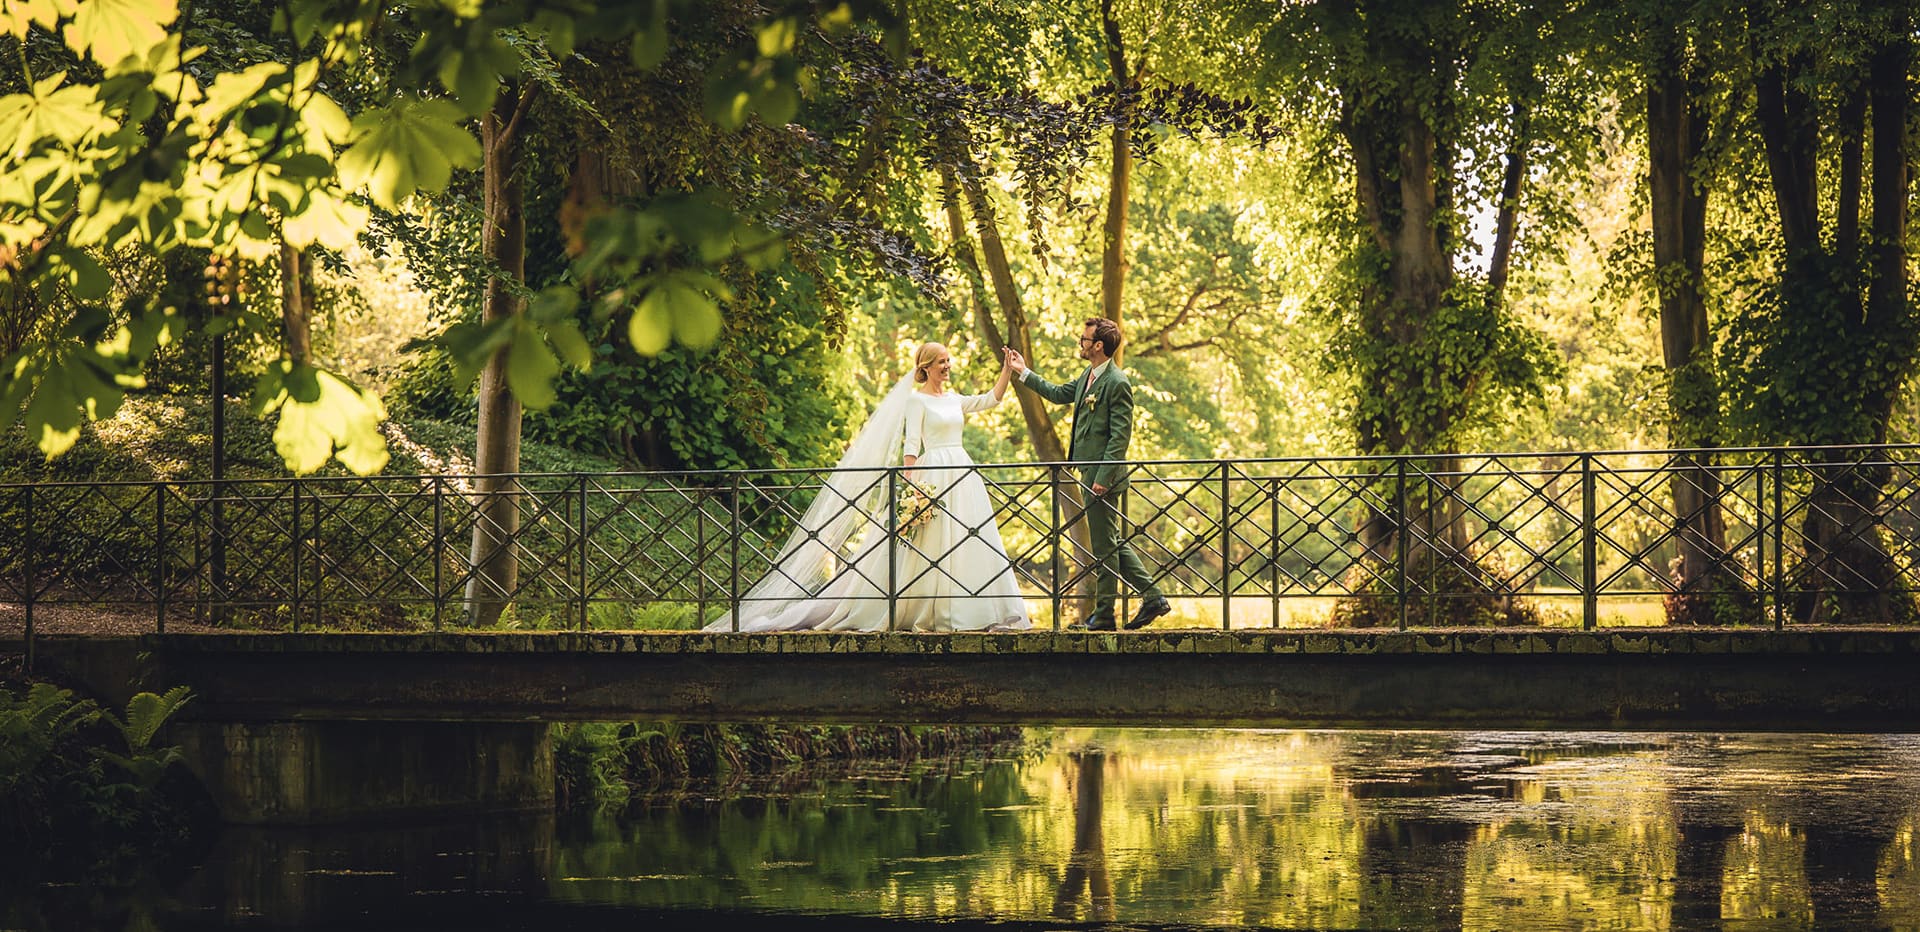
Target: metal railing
[[1782, 535]]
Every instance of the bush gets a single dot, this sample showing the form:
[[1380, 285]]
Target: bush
[[86, 793]]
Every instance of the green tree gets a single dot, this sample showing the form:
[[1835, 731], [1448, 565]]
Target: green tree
[[1824, 354]]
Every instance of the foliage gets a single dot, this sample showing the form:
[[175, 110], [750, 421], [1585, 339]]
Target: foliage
[[1783, 350], [1411, 89], [771, 393], [84, 790], [119, 142], [1467, 591], [602, 762]]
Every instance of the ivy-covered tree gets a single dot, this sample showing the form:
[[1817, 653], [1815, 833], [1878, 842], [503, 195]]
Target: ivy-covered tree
[[1439, 111], [1822, 357]]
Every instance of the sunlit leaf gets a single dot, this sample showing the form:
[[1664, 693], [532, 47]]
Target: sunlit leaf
[[322, 416], [17, 15], [68, 389], [330, 221], [69, 114], [571, 343], [110, 30], [650, 327], [413, 145], [231, 90], [319, 111], [778, 37], [531, 369]]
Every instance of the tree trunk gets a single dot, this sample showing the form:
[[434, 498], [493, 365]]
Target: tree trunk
[[494, 558], [1400, 194], [1676, 134], [1791, 139], [1844, 523], [1113, 256], [296, 317], [1507, 217], [988, 329], [1047, 447], [1847, 573]]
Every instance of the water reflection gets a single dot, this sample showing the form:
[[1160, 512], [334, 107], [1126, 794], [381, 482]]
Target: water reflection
[[1338, 829], [1087, 863], [1470, 830]]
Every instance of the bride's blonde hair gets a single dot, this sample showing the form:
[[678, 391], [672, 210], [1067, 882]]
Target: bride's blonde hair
[[925, 357]]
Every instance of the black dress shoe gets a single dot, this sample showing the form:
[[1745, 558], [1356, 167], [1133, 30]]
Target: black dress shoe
[[1151, 609], [1099, 623]]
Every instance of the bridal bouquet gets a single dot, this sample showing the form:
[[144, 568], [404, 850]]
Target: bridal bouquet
[[913, 509]]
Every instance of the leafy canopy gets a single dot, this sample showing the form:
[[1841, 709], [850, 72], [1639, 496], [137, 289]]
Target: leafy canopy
[[118, 143]]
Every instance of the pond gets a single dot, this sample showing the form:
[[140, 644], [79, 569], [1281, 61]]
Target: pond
[[1143, 828]]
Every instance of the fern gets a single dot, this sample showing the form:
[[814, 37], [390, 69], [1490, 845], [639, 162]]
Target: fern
[[146, 712], [32, 726]]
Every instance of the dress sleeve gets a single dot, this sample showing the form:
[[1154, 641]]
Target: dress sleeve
[[916, 418], [972, 403]]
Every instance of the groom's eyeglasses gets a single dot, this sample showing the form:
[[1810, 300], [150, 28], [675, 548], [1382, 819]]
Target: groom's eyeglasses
[[1086, 342]]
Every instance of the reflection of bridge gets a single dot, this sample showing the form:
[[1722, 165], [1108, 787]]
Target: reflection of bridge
[[1774, 536]]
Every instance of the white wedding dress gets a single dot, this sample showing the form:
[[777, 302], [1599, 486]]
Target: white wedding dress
[[951, 574]]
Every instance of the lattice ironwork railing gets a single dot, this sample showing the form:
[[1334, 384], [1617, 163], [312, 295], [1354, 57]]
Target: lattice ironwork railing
[[1772, 536]]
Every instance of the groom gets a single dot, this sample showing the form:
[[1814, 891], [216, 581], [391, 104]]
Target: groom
[[1102, 403]]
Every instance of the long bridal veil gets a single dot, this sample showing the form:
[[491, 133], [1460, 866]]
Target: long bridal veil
[[851, 506]]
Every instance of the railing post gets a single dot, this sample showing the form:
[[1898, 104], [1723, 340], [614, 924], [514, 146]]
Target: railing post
[[893, 543], [1400, 531], [439, 550], [319, 559], [700, 549], [581, 529], [160, 557], [30, 590], [298, 557], [1053, 495], [733, 559], [1760, 528], [1589, 548], [1273, 549], [1226, 549], [1779, 542]]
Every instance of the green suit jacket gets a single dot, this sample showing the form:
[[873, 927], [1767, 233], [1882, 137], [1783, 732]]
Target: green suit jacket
[[1102, 422]]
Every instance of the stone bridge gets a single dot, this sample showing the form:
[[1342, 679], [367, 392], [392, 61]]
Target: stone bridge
[[313, 727]]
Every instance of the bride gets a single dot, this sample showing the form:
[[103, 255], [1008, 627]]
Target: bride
[[949, 568]]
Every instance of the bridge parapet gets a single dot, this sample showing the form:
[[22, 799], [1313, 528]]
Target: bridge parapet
[[1846, 679], [1774, 537]]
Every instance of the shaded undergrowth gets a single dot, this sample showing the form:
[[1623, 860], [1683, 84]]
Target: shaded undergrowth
[[608, 762]]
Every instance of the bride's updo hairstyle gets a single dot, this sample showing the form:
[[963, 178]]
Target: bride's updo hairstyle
[[928, 353]]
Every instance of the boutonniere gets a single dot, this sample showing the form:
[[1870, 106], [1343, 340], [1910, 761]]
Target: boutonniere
[[1090, 400]]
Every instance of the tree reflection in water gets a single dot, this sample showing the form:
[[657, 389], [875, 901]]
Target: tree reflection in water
[[1087, 865], [1187, 828]]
